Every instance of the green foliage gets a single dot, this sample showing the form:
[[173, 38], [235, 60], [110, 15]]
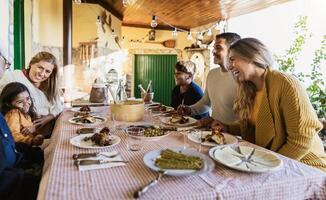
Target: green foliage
[[317, 89]]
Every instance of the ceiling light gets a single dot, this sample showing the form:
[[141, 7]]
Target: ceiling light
[[113, 34], [98, 20], [200, 36], [174, 33], [125, 3], [154, 21], [209, 32], [78, 2], [189, 37]]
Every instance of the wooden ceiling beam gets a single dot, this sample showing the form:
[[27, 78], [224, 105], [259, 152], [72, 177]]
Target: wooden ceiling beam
[[107, 7]]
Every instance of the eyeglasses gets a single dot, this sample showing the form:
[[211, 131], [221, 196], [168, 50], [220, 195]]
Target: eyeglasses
[[4, 62]]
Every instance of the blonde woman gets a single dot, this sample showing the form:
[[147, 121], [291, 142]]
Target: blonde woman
[[40, 78], [273, 109]]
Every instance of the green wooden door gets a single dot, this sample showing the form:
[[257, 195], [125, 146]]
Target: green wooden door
[[159, 69]]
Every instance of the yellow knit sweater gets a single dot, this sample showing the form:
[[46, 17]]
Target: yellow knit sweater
[[17, 120], [286, 122]]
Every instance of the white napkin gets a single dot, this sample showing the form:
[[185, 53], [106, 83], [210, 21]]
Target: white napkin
[[104, 165]]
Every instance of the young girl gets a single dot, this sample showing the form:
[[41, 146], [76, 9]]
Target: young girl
[[17, 107]]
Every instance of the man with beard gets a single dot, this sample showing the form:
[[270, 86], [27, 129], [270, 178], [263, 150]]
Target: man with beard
[[220, 86]]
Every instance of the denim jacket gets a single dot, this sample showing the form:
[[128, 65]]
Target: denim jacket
[[8, 154]]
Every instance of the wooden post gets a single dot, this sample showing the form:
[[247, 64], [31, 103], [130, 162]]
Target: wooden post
[[67, 32]]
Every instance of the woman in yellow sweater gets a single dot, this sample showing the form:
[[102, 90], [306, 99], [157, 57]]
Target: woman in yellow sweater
[[17, 107], [273, 109]]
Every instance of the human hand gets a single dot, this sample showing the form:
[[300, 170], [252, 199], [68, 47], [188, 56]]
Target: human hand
[[205, 122], [29, 130], [219, 126], [183, 110], [43, 120], [38, 140]]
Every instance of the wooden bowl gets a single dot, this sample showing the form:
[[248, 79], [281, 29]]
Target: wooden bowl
[[129, 110]]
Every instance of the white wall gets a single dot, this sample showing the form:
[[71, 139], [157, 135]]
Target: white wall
[[5, 29]]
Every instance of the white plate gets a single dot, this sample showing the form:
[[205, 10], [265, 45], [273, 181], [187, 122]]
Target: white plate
[[166, 120], [79, 142], [237, 158], [97, 121], [156, 138], [229, 139], [168, 109], [149, 160]]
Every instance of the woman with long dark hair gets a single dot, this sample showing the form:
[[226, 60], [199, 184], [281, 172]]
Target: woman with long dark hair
[[17, 107]]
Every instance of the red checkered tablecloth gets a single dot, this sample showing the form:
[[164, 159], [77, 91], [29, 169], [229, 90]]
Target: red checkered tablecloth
[[61, 179]]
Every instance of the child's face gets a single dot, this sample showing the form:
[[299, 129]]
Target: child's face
[[22, 101]]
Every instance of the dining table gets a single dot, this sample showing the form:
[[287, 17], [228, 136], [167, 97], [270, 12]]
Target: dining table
[[62, 180]]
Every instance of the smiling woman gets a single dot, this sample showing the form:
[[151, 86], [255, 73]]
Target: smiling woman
[[273, 108], [41, 80]]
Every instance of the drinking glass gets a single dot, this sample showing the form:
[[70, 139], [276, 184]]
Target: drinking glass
[[197, 136], [112, 122], [135, 138]]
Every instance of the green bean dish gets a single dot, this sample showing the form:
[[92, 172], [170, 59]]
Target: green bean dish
[[169, 159], [153, 132]]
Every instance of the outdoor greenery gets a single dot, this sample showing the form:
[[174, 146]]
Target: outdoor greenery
[[287, 63]]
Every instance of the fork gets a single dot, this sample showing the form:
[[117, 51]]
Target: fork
[[144, 189]]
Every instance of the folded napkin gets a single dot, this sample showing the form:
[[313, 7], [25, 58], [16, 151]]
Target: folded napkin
[[104, 165]]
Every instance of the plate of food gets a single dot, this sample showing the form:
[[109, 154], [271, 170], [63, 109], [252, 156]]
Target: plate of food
[[178, 162], [153, 133], [246, 159], [178, 120], [87, 120], [160, 109], [212, 138], [102, 139], [82, 109]]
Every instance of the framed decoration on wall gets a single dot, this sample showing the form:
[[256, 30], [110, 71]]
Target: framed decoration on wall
[[151, 35]]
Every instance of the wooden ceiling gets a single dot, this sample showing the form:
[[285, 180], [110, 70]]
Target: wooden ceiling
[[184, 14]]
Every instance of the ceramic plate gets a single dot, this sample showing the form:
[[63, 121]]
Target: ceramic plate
[[78, 141], [98, 120], [149, 160], [246, 159], [166, 120], [196, 137], [154, 138]]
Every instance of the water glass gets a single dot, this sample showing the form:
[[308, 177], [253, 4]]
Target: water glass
[[149, 116], [113, 124], [196, 142], [135, 138]]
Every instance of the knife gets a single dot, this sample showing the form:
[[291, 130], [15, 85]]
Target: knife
[[96, 162], [90, 155]]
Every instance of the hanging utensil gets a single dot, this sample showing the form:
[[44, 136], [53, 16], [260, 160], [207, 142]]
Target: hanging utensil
[[166, 43]]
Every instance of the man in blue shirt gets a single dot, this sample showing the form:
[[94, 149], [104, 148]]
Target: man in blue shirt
[[20, 164], [186, 92]]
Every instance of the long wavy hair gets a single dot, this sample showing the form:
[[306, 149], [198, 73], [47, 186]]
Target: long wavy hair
[[256, 52], [8, 95], [49, 86]]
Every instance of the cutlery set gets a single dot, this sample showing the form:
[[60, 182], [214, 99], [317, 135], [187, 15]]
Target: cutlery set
[[81, 159]]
